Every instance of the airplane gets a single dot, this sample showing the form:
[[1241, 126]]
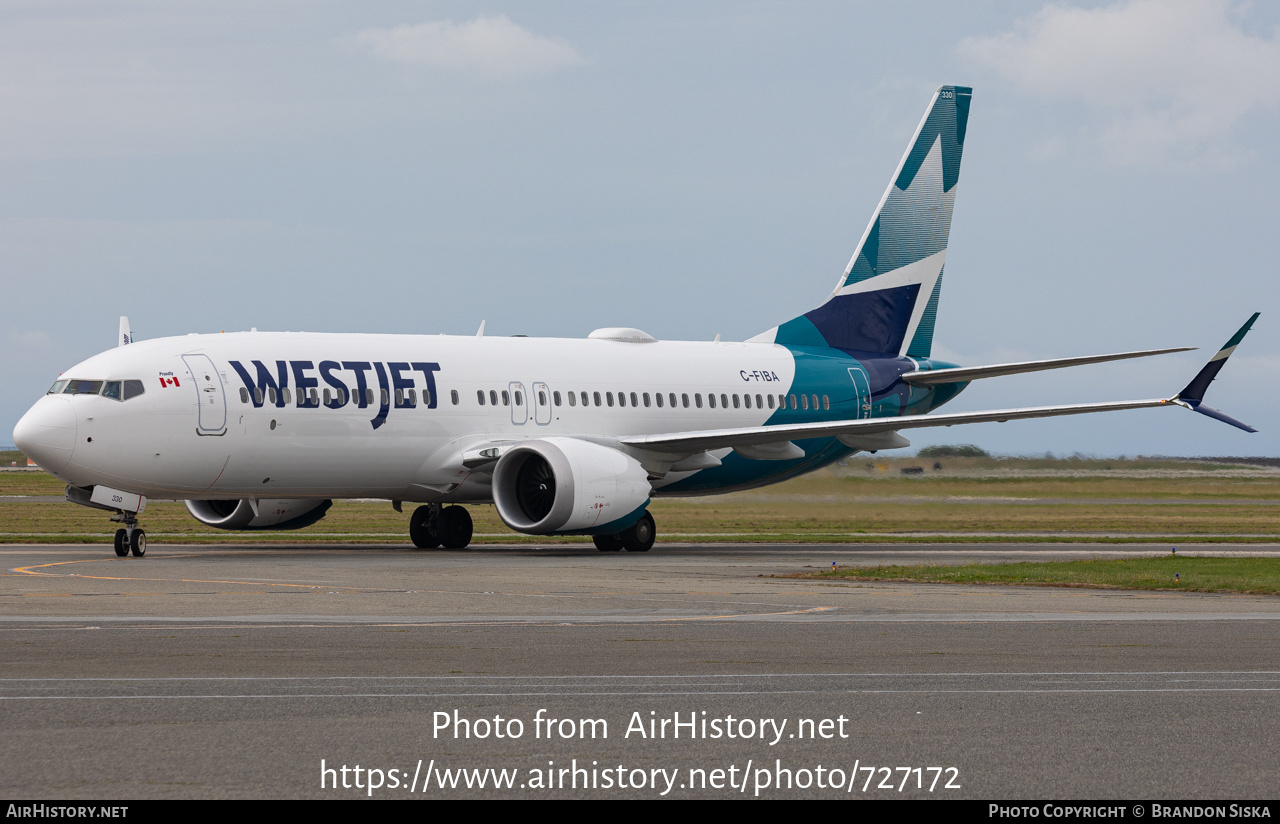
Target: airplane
[[263, 430]]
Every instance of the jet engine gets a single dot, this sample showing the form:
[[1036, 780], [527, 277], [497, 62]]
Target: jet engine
[[263, 513], [558, 485]]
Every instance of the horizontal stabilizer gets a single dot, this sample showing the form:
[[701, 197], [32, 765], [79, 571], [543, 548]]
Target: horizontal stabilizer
[[970, 373]]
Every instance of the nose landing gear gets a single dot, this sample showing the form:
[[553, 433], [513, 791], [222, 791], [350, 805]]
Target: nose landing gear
[[131, 538]]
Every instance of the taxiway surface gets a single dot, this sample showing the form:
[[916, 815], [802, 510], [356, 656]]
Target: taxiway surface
[[230, 671]]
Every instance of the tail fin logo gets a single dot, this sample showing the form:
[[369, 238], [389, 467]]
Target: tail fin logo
[[887, 297]]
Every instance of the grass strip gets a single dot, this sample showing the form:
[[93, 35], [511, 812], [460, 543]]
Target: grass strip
[[1167, 572]]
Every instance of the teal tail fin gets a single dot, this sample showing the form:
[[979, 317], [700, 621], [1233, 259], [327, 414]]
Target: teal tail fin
[[886, 301]]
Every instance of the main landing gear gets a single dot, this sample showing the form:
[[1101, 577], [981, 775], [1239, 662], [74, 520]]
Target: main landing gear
[[131, 538], [433, 526], [637, 538]]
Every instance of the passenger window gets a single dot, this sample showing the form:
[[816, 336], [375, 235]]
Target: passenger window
[[759, 403], [622, 399], [493, 398], [697, 399], [711, 400], [658, 397], [506, 398], [480, 396], [244, 395], [815, 403], [724, 401], [735, 401], [646, 399], [327, 398], [746, 400], [672, 396], [584, 399], [453, 396], [57, 388], [573, 398], [793, 401], [633, 400], [342, 397], [826, 402], [770, 397], [384, 396], [542, 398], [608, 398], [257, 395], [596, 395], [555, 398], [519, 398], [271, 394], [685, 397], [368, 397]]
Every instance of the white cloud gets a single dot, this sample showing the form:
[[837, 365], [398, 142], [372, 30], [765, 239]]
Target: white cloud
[[1167, 79], [489, 46]]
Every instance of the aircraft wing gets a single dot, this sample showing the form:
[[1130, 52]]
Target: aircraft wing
[[701, 441], [1191, 397]]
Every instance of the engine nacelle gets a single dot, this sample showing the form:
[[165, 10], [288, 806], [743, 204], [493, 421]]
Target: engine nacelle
[[559, 485], [269, 513]]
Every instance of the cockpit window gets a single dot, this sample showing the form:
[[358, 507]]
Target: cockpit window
[[83, 387], [116, 390]]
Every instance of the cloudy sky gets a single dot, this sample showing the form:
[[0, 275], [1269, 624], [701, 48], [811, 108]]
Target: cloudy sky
[[692, 169]]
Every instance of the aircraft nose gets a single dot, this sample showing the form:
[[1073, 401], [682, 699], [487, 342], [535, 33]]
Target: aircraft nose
[[47, 433]]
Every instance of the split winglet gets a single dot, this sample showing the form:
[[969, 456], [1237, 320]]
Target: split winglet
[[1192, 397]]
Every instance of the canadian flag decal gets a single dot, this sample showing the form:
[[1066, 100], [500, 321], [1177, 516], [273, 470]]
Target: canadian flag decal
[[169, 382]]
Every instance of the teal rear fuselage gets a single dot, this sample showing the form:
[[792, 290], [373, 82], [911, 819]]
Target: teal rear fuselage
[[847, 386]]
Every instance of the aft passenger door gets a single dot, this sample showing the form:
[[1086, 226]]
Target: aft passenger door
[[861, 391], [519, 404], [210, 399], [541, 404]]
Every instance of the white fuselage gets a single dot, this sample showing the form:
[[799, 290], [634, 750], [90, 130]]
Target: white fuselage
[[208, 435]]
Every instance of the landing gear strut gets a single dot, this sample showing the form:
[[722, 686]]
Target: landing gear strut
[[638, 537], [432, 526], [130, 539]]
